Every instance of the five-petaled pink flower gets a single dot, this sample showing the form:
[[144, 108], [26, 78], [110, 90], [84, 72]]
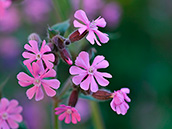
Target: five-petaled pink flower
[[33, 53], [68, 113], [10, 114], [4, 4], [91, 27], [118, 103], [86, 74], [38, 81]]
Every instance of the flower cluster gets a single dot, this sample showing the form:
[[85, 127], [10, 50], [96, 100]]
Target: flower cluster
[[40, 70], [41, 58]]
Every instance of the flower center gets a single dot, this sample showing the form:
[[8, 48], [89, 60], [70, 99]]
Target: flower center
[[69, 111], [37, 82], [93, 25], [4, 116], [38, 56], [91, 70]]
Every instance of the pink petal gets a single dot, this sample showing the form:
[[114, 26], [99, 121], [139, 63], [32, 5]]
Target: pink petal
[[5, 125], [82, 27], [76, 70], [30, 92], [67, 119], [74, 121], [106, 74], [50, 73], [15, 110], [80, 15], [85, 84], [24, 83], [12, 123], [12, 104], [125, 90], [29, 48], [36, 69], [39, 94], [54, 83], [29, 55], [34, 45], [102, 64], [78, 78], [118, 110], [50, 92], [59, 111], [76, 114], [102, 81], [90, 37], [7, 3], [113, 106], [62, 116], [49, 57], [28, 65], [44, 47], [94, 86], [97, 60], [24, 77], [47, 62], [100, 22], [102, 36], [16, 117], [3, 104], [83, 60]]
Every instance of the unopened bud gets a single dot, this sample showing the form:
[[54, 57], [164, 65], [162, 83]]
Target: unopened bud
[[102, 95], [73, 97], [59, 41], [35, 36], [65, 55], [76, 36]]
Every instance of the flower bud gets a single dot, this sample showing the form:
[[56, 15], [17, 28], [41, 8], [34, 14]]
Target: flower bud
[[66, 56], [76, 36], [35, 36], [59, 41], [73, 97], [102, 95]]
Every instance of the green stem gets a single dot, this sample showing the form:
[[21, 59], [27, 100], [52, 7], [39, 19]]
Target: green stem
[[56, 122], [96, 115]]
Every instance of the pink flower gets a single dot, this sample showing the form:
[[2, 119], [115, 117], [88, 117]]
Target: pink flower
[[85, 73], [118, 103], [10, 114], [91, 27], [33, 53], [4, 4], [8, 25], [38, 81], [68, 113]]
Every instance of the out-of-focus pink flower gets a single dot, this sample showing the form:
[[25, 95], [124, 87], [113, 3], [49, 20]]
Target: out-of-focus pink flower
[[38, 81], [84, 70], [33, 53], [91, 7], [84, 109], [68, 113], [4, 4], [112, 13], [9, 47], [91, 27], [10, 21], [118, 103], [37, 10], [10, 114]]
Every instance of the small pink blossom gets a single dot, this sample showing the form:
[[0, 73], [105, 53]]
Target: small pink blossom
[[68, 113], [10, 114], [33, 53], [4, 4], [91, 27], [38, 81], [118, 103], [85, 74]]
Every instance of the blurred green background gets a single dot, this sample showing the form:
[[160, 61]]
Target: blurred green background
[[140, 57]]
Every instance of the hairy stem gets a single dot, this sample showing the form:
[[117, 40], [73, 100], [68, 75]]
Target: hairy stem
[[96, 115]]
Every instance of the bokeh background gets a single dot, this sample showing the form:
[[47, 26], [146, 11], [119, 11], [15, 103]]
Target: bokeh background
[[139, 53]]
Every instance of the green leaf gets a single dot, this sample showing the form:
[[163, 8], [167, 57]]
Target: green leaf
[[61, 27], [22, 125]]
